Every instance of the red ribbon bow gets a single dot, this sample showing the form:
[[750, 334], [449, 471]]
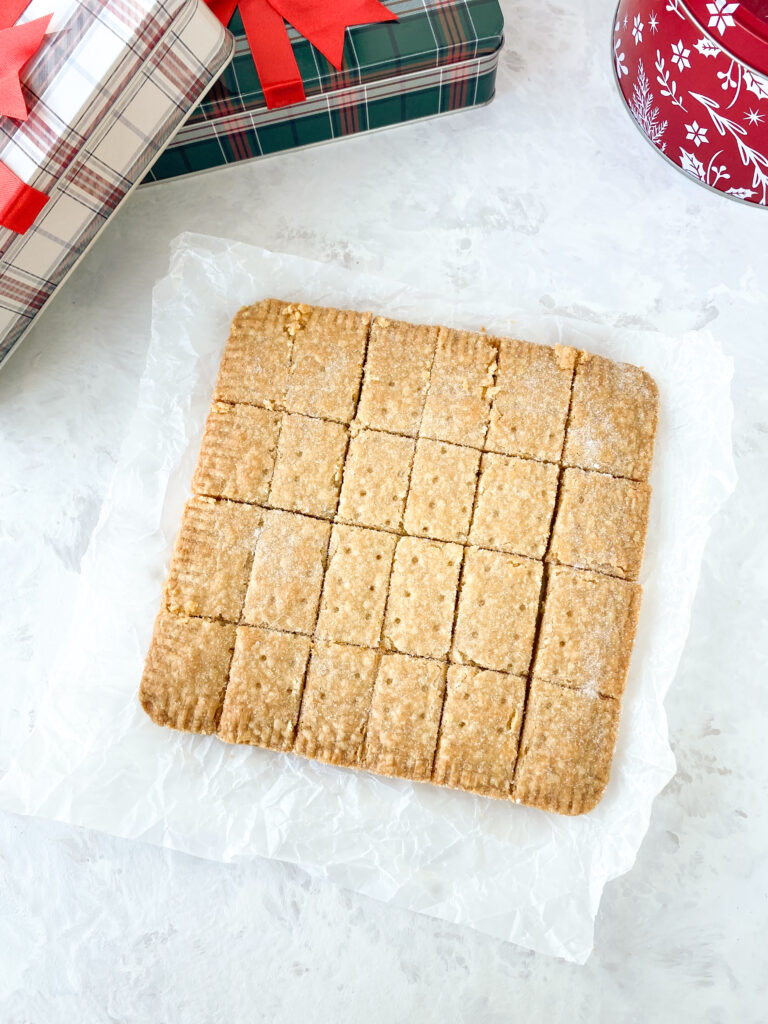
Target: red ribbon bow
[[19, 202], [319, 21]]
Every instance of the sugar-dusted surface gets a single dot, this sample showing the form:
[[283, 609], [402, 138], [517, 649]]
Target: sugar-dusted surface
[[356, 585], [601, 523], [397, 370], [264, 690], [498, 608], [310, 456], [287, 572], [613, 419], [515, 505], [212, 558], [405, 715], [237, 453], [422, 595], [587, 630], [186, 672], [480, 730], [257, 357], [531, 395], [442, 490], [459, 395], [336, 702], [375, 484], [566, 748]]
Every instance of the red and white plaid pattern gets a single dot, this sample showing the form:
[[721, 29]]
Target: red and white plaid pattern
[[105, 92]]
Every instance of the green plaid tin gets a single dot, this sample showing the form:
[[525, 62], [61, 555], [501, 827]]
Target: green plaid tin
[[440, 56]]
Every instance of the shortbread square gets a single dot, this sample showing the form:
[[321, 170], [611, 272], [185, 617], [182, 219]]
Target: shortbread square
[[265, 685], [310, 456], [587, 630], [480, 730], [532, 392], [212, 557], [422, 596], [327, 363], [336, 703], [287, 573], [442, 490], [601, 523], [257, 357], [405, 715], [614, 413], [355, 588], [375, 483], [237, 454], [566, 750], [185, 674], [396, 376], [498, 607], [515, 505], [458, 401]]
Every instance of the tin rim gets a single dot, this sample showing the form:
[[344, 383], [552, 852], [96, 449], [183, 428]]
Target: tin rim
[[661, 153]]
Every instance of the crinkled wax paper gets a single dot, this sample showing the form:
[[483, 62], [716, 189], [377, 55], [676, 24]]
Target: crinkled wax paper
[[95, 759]]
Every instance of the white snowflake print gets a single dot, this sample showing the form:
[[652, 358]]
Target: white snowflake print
[[619, 58], [696, 134], [754, 117], [680, 55], [721, 15], [653, 22], [637, 30]]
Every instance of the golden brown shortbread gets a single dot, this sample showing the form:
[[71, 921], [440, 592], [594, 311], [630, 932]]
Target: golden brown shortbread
[[411, 550]]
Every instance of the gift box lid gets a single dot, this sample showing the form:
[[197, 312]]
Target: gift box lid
[[106, 90], [427, 34]]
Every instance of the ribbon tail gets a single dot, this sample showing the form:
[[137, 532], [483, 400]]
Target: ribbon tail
[[19, 202], [272, 53], [325, 24]]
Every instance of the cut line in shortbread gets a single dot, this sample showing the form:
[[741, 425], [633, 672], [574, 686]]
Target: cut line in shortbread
[[411, 550]]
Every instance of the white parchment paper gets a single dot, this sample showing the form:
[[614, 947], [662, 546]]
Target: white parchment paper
[[95, 759]]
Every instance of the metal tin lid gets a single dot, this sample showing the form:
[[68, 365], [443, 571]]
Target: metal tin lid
[[741, 29]]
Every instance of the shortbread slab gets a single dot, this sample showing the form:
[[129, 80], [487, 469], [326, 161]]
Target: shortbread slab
[[480, 730], [405, 715], [442, 490], [327, 363], [422, 596], [257, 358], [396, 377], [498, 607], [310, 456], [515, 505], [531, 397], [614, 413], [356, 583], [412, 550], [287, 572], [601, 523], [375, 483], [336, 703], [587, 630], [186, 672], [212, 557], [458, 401], [266, 678], [237, 454], [566, 749]]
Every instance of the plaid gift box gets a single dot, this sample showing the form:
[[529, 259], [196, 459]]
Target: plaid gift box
[[110, 84], [439, 56]]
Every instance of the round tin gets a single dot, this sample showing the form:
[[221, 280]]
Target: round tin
[[694, 76]]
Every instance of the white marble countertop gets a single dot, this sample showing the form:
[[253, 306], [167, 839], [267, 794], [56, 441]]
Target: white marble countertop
[[548, 194]]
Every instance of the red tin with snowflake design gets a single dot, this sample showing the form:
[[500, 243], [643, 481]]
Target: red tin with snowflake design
[[694, 76]]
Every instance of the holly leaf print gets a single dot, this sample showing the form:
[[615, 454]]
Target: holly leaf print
[[707, 48], [692, 165], [755, 83], [741, 193]]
